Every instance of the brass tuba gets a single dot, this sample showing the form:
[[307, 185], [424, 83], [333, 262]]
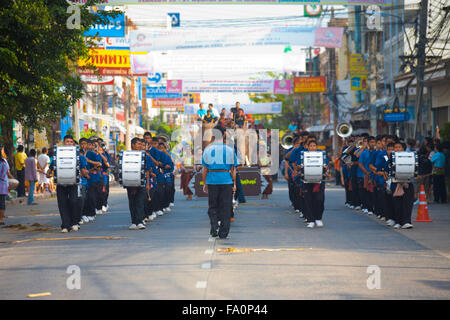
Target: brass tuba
[[287, 140], [344, 130]]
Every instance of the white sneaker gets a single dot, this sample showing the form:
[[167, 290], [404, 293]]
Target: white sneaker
[[98, 211], [81, 222], [152, 217], [297, 211], [85, 219], [141, 226], [310, 225], [358, 208], [171, 204], [370, 213], [159, 213], [407, 226], [347, 205], [168, 209], [300, 214], [91, 218], [390, 222], [351, 207], [416, 202], [104, 209], [133, 227], [235, 201], [364, 210], [383, 219], [75, 228], [64, 230], [319, 223], [396, 226]]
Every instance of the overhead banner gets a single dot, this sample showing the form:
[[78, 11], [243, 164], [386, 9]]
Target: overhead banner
[[309, 84], [201, 38], [251, 108], [322, 2], [329, 37], [255, 86]]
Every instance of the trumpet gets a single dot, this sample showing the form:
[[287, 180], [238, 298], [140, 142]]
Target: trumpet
[[359, 143]]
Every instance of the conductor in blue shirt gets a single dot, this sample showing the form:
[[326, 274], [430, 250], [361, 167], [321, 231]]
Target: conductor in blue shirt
[[219, 181]]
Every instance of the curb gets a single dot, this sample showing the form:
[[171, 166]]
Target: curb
[[42, 196]]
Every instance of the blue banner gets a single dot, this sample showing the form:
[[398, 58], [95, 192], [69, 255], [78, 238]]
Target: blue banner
[[394, 117], [115, 28], [66, 124]]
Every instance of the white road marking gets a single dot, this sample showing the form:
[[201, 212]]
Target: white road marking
[[209, 251], [206, 265], [201, 284]]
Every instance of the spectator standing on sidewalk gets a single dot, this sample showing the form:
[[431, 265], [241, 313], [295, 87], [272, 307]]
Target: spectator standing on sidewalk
[[19, 161], [43, 165], [4, 174], [31, 175], [438, 161], [423, 175]]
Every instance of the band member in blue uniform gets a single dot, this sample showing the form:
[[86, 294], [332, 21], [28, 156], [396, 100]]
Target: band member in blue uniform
[[219, 163], [366, 189], [105, 174], [150, 169], [384, 195], [167, 168], [136, 197], [314, 195], [67, 198], [403, 198]]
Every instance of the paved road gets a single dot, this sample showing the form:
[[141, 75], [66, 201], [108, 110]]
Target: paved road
[[174, 258]]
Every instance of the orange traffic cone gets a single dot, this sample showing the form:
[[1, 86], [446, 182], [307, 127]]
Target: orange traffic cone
[[422, 211]]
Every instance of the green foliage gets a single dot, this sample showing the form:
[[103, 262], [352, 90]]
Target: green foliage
[[89, 133], [38, 82], [445, 132]]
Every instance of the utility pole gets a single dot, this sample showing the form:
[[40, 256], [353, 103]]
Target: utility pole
[[126, 107], [311, 109], [420, 71], [334, 102], [76, 120]]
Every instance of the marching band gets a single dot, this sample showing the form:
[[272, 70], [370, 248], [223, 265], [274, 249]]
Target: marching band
[[376, 173]]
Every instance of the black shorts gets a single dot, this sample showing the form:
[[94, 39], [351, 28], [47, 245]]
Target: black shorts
[[2, 201]]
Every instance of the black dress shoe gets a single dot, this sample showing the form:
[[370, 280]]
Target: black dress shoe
[[214, 234]]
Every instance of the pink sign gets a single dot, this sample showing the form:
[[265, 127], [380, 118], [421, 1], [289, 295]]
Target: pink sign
[[330, 37], [174, 86], [282, 86]]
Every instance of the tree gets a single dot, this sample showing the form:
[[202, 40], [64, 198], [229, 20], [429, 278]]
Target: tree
[[39, 54]]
